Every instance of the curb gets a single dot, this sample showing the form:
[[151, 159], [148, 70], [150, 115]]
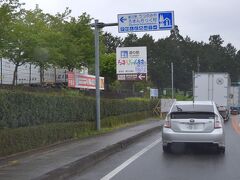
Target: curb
[[79, 165], [4, 160]]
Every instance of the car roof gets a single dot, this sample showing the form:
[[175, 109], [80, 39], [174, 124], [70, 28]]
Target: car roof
[[194, 102], [193, 106], [221, 108]]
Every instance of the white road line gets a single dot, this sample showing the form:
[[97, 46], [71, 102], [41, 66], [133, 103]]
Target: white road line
[[130, 160]]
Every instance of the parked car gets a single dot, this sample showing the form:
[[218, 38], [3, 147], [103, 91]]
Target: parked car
[[193, 122]]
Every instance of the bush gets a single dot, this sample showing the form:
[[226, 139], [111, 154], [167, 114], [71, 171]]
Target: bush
[[113, 121], [26, 138], [19, 109], [22, 109], [22, 139]]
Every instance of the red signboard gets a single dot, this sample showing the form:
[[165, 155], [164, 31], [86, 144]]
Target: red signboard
[[71, 79], [82, 81]]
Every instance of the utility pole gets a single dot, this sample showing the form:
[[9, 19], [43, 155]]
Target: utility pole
[[198, 64], [30, 74], [193, 81], [172, 77], [1, 72], [97, 25]]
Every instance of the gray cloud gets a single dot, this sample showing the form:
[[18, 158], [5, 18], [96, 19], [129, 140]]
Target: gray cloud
[[197, 18]]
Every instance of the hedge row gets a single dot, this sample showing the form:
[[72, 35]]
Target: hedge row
[[26, 138], [19, 109]]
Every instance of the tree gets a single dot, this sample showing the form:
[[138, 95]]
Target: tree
[[108, 68], [230, 62], [17, 43], [5, 19], [230, 50], [111, 42], [237, 59], [77, 43], [215, 41], [130, 40], [175, 34], [39, 51], [9, 9]]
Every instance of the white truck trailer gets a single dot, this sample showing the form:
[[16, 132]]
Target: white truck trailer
[[214, 87], [235, 95]]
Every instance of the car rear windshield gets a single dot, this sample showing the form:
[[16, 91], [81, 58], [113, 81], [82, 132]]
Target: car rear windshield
[[223, 113], [193, 108], [192, 115]]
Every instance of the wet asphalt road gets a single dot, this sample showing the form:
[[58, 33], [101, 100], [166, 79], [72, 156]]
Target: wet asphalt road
[[189, 163]]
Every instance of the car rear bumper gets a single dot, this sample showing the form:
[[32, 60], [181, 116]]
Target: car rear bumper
[[215, 137]]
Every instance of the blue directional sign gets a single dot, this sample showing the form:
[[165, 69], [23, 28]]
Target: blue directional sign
[[149, 21]]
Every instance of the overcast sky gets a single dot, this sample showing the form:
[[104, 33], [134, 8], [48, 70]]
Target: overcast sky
[[196, 18]]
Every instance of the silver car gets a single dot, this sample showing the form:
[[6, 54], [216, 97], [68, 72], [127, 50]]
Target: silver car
[[193, 122]]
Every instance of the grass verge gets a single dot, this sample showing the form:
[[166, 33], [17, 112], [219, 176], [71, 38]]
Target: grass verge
[[23, 139]]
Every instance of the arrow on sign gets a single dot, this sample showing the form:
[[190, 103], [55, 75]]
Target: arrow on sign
[[141, 76], [122, 19]]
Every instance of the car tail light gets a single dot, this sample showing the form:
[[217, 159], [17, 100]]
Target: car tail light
[[217, 122], [167, 123]]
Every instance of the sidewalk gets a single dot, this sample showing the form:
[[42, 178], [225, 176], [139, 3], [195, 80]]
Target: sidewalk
[[59, 162]]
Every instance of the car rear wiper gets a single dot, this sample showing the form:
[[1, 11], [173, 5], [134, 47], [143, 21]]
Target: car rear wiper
[[179, 109]]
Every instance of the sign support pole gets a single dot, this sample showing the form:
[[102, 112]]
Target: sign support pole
[[98, 124], [122, 27], [97, 25]]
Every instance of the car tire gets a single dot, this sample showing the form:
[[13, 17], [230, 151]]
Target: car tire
[[221, 149], [166, 148]]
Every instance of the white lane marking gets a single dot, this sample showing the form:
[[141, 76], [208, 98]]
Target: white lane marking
[[130, 160]]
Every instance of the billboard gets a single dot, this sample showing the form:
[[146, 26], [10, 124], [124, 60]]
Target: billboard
[[82, 81], [131, 63]]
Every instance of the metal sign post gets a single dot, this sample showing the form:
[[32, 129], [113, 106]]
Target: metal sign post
[[97, 25], [98, 123], [136, 22]]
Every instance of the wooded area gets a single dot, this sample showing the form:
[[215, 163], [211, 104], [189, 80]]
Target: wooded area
[[68, 42]]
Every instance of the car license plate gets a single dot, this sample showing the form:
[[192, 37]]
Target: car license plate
[[191, 126], [194, 126]]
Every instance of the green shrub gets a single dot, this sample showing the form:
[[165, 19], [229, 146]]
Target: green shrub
[[22, 109], [19, 109], [113, 121], [14, 140], [22, 139]]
